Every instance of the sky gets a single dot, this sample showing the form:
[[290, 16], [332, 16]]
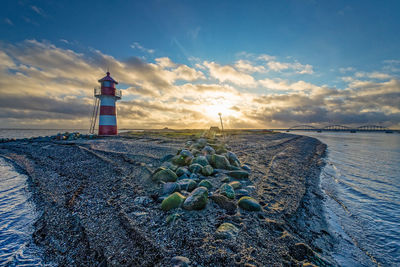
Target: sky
[[262, 64]]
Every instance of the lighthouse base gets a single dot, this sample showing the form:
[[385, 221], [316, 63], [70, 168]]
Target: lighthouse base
[[108, 130]]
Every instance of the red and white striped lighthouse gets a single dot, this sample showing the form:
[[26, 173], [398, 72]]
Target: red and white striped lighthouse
[[108, 95]]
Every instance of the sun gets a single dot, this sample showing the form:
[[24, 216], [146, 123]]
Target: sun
[[224, 107]]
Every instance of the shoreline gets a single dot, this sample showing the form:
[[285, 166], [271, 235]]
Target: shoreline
[[293, 221]]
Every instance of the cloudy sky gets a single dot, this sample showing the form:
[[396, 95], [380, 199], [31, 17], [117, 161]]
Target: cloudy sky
[[263, 64]]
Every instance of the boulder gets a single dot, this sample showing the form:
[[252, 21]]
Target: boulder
[[233, 159], [226, 231], [181, 160], [206, 183], [172, 201], [227, 190], [202, 160], [207, 170], [195, 168], [164, 175], [240, 175], [219, 162], [223, 202], [208, 150], [235, 185], [249, 204], [169, 165], [169, 188], [187, 184], [186, 153], [182, 171], [197, 200], [246, 168]]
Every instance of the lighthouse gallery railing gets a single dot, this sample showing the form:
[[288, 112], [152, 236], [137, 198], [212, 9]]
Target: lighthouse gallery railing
[[97, 92]]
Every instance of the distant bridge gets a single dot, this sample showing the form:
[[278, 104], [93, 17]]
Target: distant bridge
[[340, 128]]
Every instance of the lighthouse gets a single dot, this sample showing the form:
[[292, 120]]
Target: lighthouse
[[107, 96]]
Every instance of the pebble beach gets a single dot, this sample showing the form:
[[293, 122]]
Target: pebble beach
[[155, 199]]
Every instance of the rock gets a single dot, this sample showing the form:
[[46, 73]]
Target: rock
[[197, 200], [240, 175], [165, 175], [169, 188], [172, 201], [186, 153], [194, 176], [227, 191], [233, 159], [206, 183], [167, 157], [188, 143], [173, 218], [226, 231], [219, 162], [169, 165], [207, 150], [225, 203], [242, 193], [182, 171], [180, 160], [207, 170], [195, 168], [234, 168], [179, 261], [187, 184], [235, 185], [246, 168], [202, 160], [249, 204], [201, 142], [225, 179]]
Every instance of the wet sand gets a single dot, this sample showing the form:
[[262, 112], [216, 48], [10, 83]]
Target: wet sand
[[99, 206]]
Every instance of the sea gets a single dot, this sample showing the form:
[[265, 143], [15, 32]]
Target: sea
[[361, 183], [360, 180]]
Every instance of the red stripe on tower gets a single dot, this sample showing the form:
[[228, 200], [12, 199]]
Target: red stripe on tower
[[108, 115]]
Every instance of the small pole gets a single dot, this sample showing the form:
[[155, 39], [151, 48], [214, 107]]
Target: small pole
[[222, 125]]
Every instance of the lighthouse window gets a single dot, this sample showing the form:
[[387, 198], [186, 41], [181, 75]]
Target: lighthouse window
[[107, 84]]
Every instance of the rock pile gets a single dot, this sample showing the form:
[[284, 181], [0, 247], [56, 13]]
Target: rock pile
[[58, 137], [204, 170]]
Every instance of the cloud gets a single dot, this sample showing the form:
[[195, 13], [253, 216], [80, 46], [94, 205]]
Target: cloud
[[247, 66], [38, 10], [52, 87], [347, 69], [8, 21], [372, 75], [299, 68], [138, 46], [229, 74]]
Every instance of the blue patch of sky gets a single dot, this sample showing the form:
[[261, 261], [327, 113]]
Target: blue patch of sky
[[326, 34]]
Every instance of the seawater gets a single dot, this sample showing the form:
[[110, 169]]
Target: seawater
[[17, 211], [17, 215], [361, 181]]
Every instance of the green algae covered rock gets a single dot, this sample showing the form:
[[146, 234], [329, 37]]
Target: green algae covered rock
[[207, 170], [197, 200], [227, 190], [206, 183], [219, 162], [202, 160], [164, 175], [172, 201], [249, 204], [240, 175], [226, 231]]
